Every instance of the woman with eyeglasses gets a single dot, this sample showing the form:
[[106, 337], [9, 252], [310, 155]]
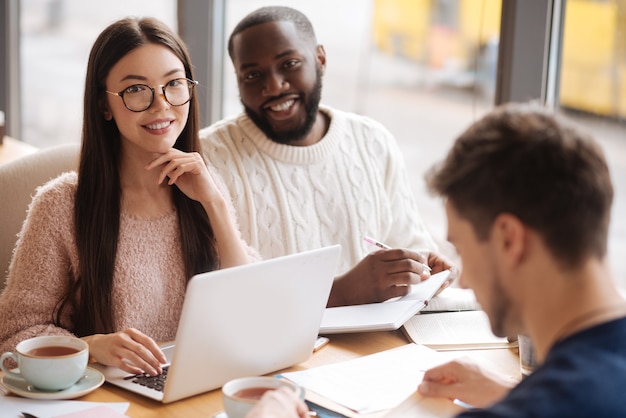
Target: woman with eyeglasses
[[105, 253]]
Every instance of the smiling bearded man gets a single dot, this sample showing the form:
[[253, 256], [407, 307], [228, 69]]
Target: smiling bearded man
[[304, 175]]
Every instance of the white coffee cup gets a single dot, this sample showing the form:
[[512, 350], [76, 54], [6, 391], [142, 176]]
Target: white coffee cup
[[240, 395], [49, 363]]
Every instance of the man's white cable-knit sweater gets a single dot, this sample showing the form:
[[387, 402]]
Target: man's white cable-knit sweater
[[352, 183], [149, 278]]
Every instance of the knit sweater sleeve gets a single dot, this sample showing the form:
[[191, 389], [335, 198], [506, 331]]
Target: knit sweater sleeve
[[253, 254], [43, 265]]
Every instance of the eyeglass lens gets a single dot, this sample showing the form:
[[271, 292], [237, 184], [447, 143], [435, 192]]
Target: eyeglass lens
[[139, 97]]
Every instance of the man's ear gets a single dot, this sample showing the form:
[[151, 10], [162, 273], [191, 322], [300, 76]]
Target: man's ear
[[321, 57], [510, 236]]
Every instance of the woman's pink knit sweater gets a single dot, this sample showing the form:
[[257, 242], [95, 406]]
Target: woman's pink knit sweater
[[149, 279]]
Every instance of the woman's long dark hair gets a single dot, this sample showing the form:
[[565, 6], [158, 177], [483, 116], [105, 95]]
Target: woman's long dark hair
[[98, 195]]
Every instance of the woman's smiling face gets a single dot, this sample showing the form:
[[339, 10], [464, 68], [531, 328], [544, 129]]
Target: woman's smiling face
[[156, 129]]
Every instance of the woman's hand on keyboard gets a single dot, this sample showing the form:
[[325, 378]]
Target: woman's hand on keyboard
[[130, 350]]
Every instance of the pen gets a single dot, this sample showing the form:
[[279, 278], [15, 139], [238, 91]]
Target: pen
[[376, 243], [384, 246]]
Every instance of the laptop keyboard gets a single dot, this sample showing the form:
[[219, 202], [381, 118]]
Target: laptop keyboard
[[153, 382]]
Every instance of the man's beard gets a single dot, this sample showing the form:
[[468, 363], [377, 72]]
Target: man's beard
[[311, 107]]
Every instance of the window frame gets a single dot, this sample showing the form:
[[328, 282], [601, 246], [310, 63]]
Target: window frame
[[531, 38], [10, 95]]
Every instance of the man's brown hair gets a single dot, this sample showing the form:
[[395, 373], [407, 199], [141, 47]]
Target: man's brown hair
[[523, 160]]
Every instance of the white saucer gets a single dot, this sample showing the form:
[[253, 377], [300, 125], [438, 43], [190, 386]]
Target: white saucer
[[92, 380], [220, 415]]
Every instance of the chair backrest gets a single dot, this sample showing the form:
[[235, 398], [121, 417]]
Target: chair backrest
[[18, 181]]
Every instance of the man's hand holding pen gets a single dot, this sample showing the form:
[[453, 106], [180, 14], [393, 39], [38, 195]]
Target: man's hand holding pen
[[432, 262], [384, 246], [385, 274]]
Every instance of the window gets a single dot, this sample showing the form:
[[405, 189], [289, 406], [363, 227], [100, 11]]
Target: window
[[424, 68], [593, 93], [56, 37]]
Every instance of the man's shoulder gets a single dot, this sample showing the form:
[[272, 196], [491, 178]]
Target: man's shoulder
[[353, 120], [223, 125]]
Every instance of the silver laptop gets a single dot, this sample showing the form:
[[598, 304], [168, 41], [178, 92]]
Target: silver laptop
[[242, 321]]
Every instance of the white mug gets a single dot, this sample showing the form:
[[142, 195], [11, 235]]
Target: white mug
[[240, 395], [49, 362]]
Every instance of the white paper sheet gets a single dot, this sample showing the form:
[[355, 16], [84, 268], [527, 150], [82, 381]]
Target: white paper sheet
[[371, 383], [12, 407]]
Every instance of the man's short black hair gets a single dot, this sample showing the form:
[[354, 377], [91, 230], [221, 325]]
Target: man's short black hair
[[273, 14]]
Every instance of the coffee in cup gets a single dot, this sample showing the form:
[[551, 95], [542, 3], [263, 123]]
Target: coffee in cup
[[240, 395], [49, 363]]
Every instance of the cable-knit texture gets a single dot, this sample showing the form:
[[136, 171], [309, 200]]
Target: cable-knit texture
[[149, 277], [289, 199]]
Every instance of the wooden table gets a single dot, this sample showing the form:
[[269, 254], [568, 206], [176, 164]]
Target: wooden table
[[341, 348], [11, 149]]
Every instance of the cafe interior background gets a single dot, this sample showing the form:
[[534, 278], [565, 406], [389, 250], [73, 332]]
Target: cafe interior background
[[424, 68]]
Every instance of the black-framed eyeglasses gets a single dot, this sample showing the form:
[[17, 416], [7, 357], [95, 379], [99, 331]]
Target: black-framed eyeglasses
[[139, 97]]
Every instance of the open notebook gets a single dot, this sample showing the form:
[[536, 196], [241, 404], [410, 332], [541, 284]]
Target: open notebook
[[243, 321], [388, 315]]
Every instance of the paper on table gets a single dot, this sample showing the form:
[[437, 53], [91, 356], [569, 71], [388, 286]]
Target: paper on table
[[99, 411], [417, 405], [371, 383], [464, 330], [12, 406], [453, 299]]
